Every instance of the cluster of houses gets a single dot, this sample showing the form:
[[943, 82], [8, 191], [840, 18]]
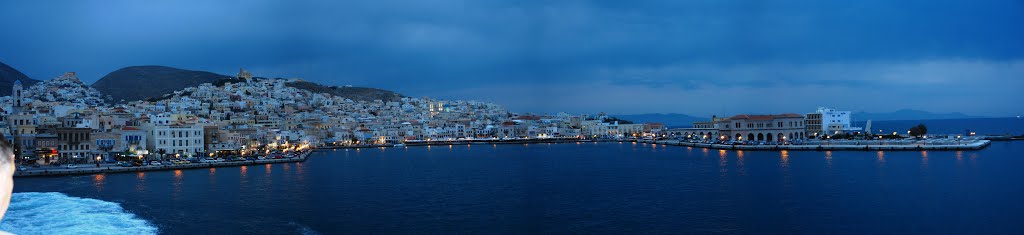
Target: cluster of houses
[[65, 121]]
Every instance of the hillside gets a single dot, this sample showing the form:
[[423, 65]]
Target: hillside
[[353, 93], [142, 82], [7, 77]]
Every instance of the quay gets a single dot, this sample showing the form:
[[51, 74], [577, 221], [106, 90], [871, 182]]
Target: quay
[[473, 141], [87, 170], [971, 145]]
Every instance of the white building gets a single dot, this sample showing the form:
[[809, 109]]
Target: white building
[[186, 140], [833, 121]]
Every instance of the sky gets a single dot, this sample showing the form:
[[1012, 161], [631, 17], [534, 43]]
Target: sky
[[694, 57]]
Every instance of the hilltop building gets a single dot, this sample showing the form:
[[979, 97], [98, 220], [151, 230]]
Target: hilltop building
[[244, 75]]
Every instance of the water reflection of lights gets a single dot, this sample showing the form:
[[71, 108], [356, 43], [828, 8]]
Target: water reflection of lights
[[723, 162], [244, 171], [924, 159], [881, 158], [98, 181], [785, 158], [140, 184], [828, 158]]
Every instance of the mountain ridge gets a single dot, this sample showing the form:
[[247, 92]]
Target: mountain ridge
[[8, 75]]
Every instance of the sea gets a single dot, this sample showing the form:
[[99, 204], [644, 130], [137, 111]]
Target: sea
[[596, 188]]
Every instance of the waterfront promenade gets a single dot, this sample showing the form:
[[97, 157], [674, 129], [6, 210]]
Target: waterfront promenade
[[866, 146], [91, 169], [471, 141]]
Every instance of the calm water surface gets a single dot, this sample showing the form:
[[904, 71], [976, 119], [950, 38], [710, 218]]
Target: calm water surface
[[575, 188]]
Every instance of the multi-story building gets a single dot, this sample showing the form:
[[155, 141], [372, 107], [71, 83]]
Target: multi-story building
[[835, 122], [812, 125], [185, 140], [762, 127]]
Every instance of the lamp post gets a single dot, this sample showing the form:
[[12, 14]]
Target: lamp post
[[957, 140], [98, 161], [783, 140]]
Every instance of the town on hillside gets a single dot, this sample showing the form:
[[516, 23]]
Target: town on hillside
[[62, 121]]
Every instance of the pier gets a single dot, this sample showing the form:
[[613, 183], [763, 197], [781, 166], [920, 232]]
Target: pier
[[468, 141], [967, 145], [87, 170]]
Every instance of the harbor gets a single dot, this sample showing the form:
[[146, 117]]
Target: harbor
[[106, 168], [554, 140], [840, 146]]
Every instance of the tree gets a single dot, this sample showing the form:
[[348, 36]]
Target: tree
[[919, 130]]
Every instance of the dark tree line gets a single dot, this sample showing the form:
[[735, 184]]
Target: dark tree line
[[919, 130]]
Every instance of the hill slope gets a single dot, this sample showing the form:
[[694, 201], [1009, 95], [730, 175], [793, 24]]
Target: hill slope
[[7, 77], [353, 93], [142, 82]]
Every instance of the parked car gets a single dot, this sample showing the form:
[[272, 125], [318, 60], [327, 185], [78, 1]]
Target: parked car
[[22, 168], [70, 166], [155, 163], [136, 163], [125, 164]]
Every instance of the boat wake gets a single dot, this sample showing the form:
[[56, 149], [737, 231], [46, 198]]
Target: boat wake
[[57, 213]]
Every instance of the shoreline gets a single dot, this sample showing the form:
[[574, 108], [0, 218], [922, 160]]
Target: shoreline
[[974, 145], [464, 142], [58, 172]]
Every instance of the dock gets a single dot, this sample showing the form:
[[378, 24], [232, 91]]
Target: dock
[[972, 145], [89, 169], [465, 142]]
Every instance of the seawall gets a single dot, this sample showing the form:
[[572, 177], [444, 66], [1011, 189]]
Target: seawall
[[974, 145], [87, 170]]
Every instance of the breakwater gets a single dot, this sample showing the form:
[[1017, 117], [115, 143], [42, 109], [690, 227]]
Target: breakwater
[[972, 145]]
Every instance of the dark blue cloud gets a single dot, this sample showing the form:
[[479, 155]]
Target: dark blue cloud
[[461, 49]]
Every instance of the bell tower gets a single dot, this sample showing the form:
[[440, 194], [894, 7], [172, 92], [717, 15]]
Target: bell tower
[[16, 93]]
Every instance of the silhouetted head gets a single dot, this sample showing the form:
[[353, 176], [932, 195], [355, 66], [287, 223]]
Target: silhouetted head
[[6, 174]]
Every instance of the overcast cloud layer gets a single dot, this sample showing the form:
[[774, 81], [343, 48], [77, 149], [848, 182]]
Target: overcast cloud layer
[[695, 57]]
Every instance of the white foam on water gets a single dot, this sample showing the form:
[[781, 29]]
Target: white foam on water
[[303, 229], [57, 213]]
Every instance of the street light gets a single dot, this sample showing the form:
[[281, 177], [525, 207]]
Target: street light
[[783, 140], [98, 161]]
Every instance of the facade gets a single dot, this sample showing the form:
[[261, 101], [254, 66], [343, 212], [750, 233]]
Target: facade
[[186, 140], [834, 121], [700, 130], [812, 124], [17, 95], [769, 128]]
